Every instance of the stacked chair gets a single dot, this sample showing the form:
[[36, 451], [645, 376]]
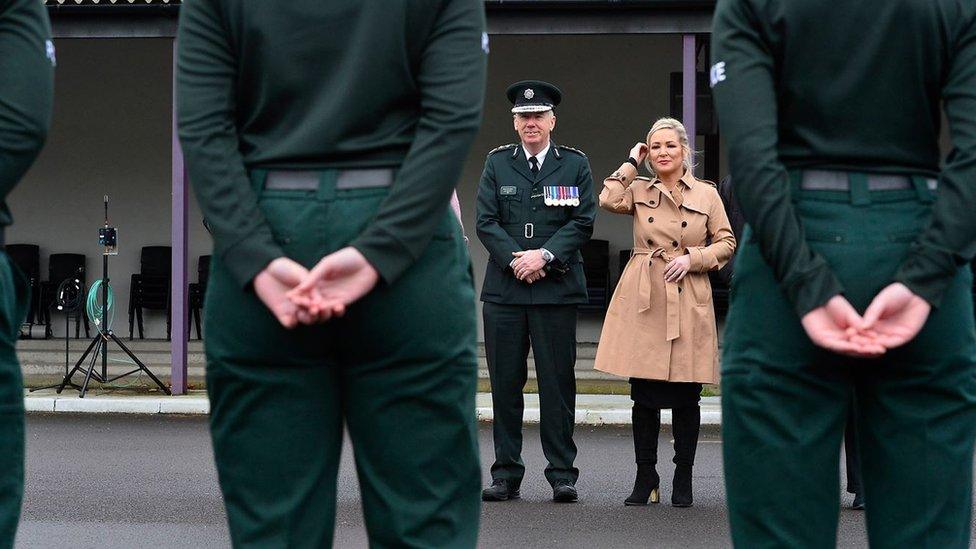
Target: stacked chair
[[27, 258], [149, 289], [198, 291], [596, 268]]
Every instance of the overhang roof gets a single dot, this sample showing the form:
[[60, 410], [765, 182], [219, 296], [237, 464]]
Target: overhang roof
[[157, 18]]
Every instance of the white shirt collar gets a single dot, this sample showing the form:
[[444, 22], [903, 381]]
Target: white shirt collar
[[541, 157]]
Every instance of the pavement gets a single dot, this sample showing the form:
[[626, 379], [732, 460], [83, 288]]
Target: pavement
[[111, 481], [590, 409]]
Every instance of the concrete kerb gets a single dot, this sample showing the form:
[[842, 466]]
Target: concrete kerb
[[590, 409]]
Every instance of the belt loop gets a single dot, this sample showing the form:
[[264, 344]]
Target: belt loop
[[327, 185], [922, 189], [796, 177], [258, 177], [860, 195]]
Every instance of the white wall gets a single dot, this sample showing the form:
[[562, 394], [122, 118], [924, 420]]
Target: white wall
[[111, 135]]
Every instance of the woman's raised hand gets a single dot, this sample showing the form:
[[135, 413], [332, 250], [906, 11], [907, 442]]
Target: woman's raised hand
[[639, 152]]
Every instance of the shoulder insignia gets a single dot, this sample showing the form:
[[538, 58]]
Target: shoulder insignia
[[502, 148], [577, 151]]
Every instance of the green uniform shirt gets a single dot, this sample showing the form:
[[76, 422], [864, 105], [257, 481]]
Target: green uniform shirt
[[795, 88], [309, 84], [26, 91]]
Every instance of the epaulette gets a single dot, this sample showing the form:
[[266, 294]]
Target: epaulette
[[577, 151], [712, 183], [502, 148]]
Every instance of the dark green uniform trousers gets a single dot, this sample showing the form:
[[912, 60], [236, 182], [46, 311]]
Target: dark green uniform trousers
[[399, 369], [13, 308], [785, 401], [551, 330]]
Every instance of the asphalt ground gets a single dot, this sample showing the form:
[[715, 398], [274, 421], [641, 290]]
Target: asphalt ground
[[113, 481]]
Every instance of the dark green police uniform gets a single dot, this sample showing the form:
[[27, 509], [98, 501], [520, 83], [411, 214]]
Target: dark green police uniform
[[309, 126], [26, 97], [831, 111], [513, 215]]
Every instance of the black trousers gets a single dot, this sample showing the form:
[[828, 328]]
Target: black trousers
[[852, 454], [551, 331]]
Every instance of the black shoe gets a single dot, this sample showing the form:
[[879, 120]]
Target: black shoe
[[858, 504], [500, 490], [681, 493], [645, 486], [564, 492]]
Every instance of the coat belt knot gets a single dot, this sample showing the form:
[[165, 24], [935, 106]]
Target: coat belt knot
[[672, 308]]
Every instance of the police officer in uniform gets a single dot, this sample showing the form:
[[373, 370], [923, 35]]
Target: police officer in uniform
[[852, 275], [535, 211], [329, 136], [26, 97]]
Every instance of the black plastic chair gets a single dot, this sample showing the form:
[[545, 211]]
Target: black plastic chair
[[27, 258], [720, 294], [596, 268], [61, 267], [149, 289], [198, 291], [624, 256]]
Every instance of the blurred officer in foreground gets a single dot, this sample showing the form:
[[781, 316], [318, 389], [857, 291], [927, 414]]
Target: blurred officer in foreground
[[331, 135], [26, 97], [851, 276], [535, 212]]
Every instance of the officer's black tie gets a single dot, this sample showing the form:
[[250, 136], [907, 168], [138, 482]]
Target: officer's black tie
[[534, 163]]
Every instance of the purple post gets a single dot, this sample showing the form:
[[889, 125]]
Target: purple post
[[688, 92], [178, 293]]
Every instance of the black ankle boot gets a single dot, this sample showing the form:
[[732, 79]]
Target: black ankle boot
[[646, 487], [685, 425], [646, 426], [681, 495]]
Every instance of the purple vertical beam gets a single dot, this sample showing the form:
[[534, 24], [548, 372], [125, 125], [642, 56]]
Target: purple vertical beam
[[178, 293], [688, 92]]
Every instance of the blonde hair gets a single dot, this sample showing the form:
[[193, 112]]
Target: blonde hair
[[686, 151]]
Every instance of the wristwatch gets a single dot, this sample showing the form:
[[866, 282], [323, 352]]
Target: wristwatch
[[547, 255]]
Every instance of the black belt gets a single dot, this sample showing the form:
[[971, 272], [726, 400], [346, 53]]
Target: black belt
[[306, 180], [829, 180], [527, 230]]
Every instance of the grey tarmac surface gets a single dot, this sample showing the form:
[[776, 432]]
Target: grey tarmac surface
[[96, 481]]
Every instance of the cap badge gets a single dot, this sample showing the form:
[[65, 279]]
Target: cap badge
[[529, 94]]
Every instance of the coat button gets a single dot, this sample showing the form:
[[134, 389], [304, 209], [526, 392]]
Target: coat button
[[534, 208], [650, 220], [651, 202], [684, 223], [650, 242], [674, 243]]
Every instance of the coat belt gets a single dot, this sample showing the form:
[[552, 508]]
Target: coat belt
[[672, 307]]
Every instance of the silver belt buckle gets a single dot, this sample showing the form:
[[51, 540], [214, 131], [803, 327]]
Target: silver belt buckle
[[529, 230]]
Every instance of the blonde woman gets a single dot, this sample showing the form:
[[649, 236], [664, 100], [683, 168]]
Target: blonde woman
[[660, 328]]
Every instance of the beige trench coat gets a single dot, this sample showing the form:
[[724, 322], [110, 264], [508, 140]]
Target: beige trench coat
[[656, 329]]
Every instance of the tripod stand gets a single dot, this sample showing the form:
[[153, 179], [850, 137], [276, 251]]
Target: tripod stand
[[107, 237]]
